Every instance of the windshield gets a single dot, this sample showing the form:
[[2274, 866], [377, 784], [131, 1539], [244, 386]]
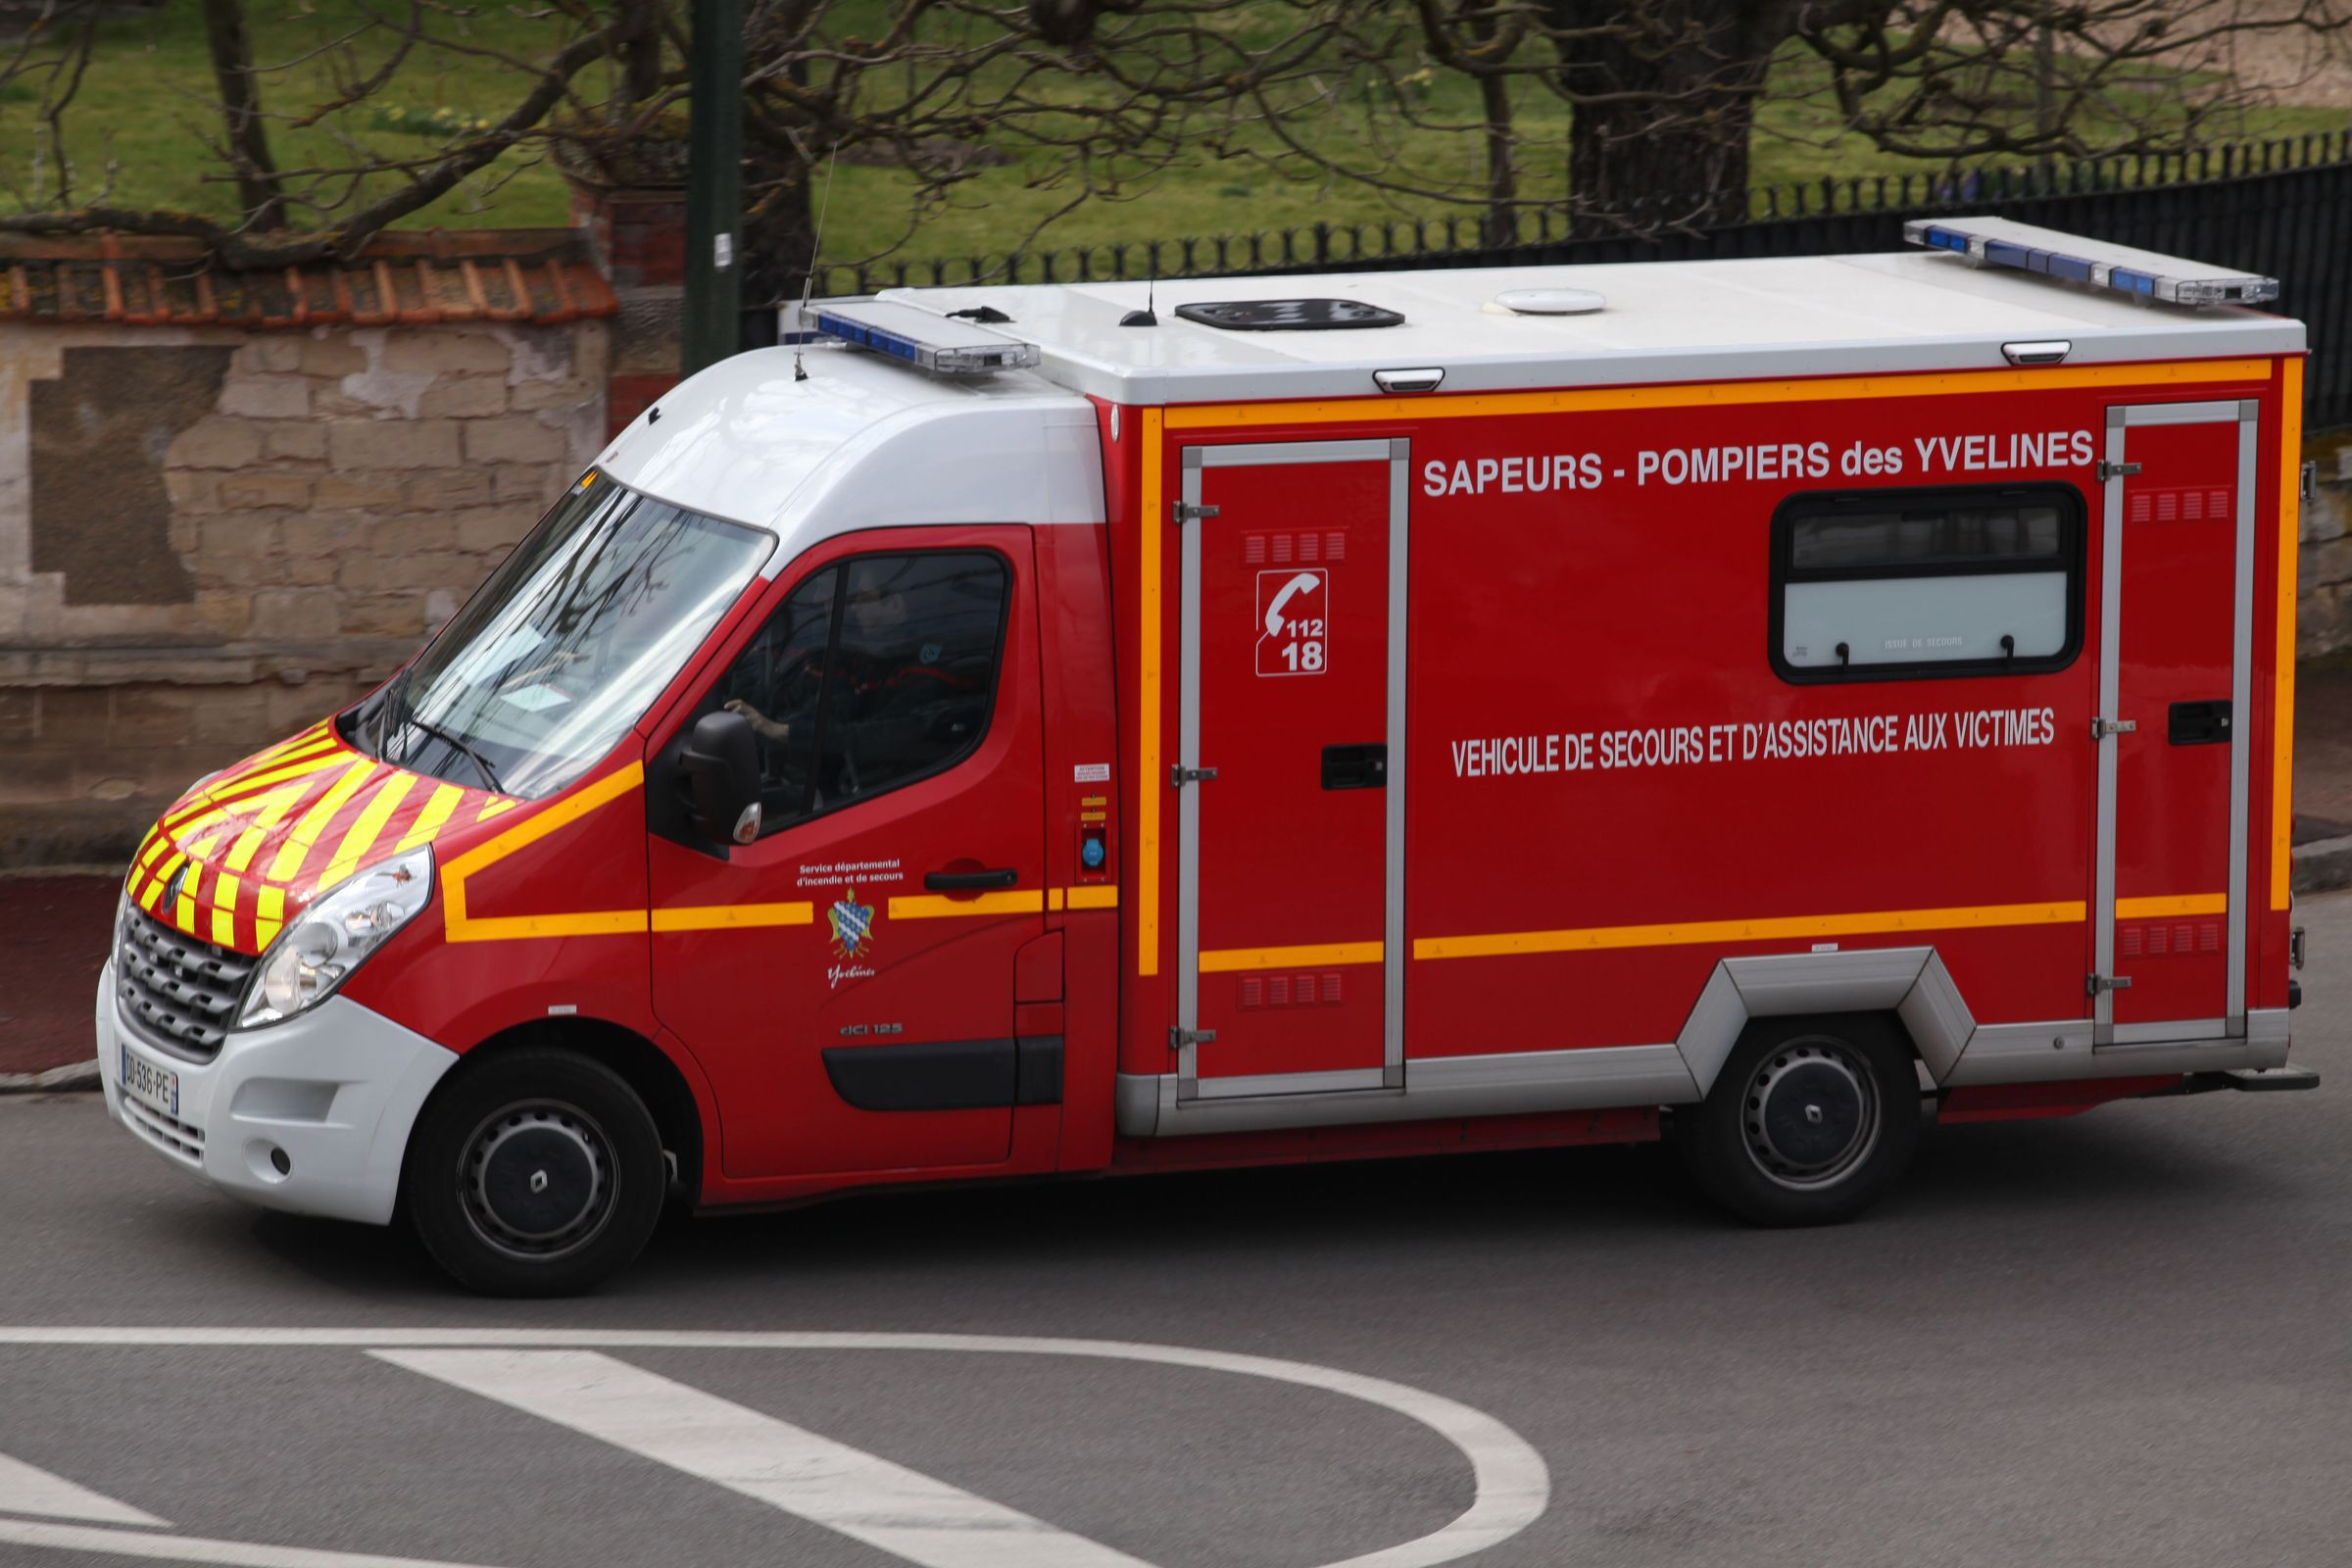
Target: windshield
[[566, 646]]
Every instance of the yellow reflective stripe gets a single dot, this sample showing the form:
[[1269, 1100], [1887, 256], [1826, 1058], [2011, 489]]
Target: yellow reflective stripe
[[2283, 699], [1094, 897], [1596, 939], [253, 783], [1224, 961], [241, 853], [2182, 903], [269, 914], [429, 820], [160, 841], [494, 807], [1718, 394], [161, 879], [369, 828], [458, 926], [933, 905], [183, 912], [725, 916], [297, 848], [224, 911], [1151, 540], [278, 803]]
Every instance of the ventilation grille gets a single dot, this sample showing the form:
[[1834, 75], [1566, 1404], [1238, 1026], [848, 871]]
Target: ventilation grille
[[1293, 549], [2199, 505]]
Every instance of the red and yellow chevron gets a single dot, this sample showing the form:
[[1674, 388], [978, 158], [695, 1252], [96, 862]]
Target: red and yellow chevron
[[266, 836]]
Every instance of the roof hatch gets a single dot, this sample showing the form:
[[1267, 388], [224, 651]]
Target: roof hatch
[[1290, 316]]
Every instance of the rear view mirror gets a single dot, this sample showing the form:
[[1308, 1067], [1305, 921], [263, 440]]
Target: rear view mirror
[[721, 766]]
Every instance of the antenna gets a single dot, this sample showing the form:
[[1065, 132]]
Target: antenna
[[1144, 316], [817, 248]]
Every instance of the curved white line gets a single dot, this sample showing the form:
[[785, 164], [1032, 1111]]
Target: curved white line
[[1513, 1486]]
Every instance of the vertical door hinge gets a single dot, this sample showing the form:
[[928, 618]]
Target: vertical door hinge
[[1178, 1039], [2108, 982], [1186, 512], [2101, 728], [2115, 471], [1179, 775]]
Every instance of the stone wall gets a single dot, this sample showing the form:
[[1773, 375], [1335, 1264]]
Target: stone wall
[[212, 535], [2324, 584]]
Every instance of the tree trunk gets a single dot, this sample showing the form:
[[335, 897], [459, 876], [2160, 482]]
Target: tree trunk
[[259, 194], [640, 51], [779, 228], [1663, 108]]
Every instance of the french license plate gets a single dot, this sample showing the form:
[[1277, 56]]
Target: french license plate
[[150, 1085]]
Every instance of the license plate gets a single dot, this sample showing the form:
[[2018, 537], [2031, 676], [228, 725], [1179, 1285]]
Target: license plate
[[150, 1085]]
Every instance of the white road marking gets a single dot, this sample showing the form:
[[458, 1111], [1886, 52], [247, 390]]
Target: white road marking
[[886, 1505], [26, 1490], [1513, 1487], [196, 1549]]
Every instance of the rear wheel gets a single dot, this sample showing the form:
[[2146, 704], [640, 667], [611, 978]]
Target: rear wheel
[[1809, 1121], [538, 1172]]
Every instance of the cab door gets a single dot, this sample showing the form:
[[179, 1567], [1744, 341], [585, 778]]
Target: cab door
[[1291, 891], [2175, 678], [847, 980]]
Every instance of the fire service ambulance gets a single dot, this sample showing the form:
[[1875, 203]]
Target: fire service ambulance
[[1034, 730]]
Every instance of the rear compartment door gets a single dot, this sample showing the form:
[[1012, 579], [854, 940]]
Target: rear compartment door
[[1290, 890], [2175, 663]]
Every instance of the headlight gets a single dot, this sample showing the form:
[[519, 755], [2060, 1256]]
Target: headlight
[[335, 936]]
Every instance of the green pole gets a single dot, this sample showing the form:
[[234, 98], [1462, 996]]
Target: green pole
[[713, 187]]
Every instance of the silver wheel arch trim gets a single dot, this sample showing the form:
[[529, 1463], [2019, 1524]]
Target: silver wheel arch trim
[[1911, 983]]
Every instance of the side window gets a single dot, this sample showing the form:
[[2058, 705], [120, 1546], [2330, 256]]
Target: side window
[[876, 671], [1894, 583]]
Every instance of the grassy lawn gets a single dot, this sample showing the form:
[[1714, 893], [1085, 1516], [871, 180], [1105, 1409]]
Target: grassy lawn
[[140, 128]]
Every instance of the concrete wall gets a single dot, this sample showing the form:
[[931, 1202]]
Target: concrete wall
[[2324, 585], [210, 536]]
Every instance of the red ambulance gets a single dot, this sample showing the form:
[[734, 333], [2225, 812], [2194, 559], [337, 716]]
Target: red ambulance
[[1046, 729]]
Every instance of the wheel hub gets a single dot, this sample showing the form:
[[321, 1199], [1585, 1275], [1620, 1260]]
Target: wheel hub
[[537, 1180], [1811, 1113]]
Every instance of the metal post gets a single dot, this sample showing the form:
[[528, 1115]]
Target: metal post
[[713, 187]]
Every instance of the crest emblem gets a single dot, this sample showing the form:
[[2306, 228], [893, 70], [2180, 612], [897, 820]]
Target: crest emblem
[[853, 926], [179, 879]]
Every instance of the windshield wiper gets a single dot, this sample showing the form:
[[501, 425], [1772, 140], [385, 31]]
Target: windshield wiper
[[480, 765], [388, 704], [401, 717]]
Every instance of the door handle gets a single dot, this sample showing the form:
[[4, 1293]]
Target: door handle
[[972, 881], [2197, 723], [1356, 768]]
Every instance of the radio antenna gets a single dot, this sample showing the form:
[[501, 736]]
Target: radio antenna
[[816, 249], [1144, 316]]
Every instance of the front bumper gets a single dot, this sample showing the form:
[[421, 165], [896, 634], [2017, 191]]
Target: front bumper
[[333, 1092]]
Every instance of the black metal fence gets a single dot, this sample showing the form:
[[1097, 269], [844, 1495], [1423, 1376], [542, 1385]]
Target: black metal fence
[[2280, 208]]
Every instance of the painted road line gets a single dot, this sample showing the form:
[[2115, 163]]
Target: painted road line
[[196, 1549], [26, 1490], [1512, 1485], [846, 1490]]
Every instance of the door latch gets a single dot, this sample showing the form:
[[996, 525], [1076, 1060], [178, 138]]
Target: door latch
[[1179, 775], [2101, 728], [2117, 470], [1186, 512], [1178, 1039], [2109, 982]]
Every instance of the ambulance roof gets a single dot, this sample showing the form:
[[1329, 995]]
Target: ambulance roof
[[1661, 321]]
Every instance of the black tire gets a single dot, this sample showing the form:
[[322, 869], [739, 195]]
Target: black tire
[[535, 1172], [1809, 1122]]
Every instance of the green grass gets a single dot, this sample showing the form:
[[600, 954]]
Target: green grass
[[143, 117]]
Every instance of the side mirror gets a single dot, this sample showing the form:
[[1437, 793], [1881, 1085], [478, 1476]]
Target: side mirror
[[721, 766]]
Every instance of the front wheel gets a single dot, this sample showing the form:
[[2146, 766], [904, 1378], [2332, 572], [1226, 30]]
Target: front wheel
[[538, 1172], [1809, 1121]]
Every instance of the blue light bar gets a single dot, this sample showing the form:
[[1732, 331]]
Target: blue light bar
[[939, 344], [2144, 275]]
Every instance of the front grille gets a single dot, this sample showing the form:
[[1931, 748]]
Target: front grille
[[178, 993], [167, 1132]]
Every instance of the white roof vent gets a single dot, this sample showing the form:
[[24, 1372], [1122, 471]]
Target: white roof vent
[[1549, 301]]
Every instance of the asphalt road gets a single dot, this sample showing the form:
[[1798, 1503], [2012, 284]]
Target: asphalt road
[[2116, 1339]]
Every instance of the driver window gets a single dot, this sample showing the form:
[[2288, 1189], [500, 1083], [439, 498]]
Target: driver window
[[876, 671]]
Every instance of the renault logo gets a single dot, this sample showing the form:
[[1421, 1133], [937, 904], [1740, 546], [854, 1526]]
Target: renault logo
[[172, 887]]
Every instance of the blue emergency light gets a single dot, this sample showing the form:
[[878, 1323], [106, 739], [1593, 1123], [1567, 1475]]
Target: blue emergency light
[[1998, 242], [939, 344]]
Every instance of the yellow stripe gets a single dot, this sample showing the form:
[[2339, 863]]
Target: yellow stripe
[[1094, 897], [297, 848], [429, 820], [369, 828], [161, 879], [183, 912], [252, 784], [1151, 541], [458, 926], [241, 852], [269, 914], [1720, 394], [729, 916], [2175, 905], [224, 909], [931, 907], [1227, 959], [493, 809], [162, 841], [2282, 702], [1594, 939], [278, 803]]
